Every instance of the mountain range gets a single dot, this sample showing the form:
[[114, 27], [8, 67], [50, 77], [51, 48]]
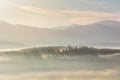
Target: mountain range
[[103, 33]]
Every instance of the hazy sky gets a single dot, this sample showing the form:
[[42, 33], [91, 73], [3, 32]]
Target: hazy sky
[[51, 13]]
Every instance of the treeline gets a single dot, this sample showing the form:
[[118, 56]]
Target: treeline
[[60, 51], [78, 50]]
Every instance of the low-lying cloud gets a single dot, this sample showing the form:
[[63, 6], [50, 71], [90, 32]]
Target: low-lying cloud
[[5, 58], [65, 75]]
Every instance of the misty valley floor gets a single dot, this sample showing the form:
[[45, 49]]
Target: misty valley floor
[[14, 66]]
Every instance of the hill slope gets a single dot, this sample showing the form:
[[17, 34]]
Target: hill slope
[[93, 34]]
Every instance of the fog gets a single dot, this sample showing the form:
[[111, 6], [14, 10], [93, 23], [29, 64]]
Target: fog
[[86, 67]]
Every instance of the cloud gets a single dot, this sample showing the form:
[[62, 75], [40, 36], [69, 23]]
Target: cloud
[[5, 58], [40, 11], [65, 75], [89, 16], [72, 16], [110, 55]]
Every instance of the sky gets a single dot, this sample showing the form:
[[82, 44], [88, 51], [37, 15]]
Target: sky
[[54, 13]]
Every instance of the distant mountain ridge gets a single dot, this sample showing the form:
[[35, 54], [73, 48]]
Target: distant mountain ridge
[[100, 32]]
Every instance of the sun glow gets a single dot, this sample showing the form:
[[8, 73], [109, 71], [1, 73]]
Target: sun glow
[[4, 3]]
